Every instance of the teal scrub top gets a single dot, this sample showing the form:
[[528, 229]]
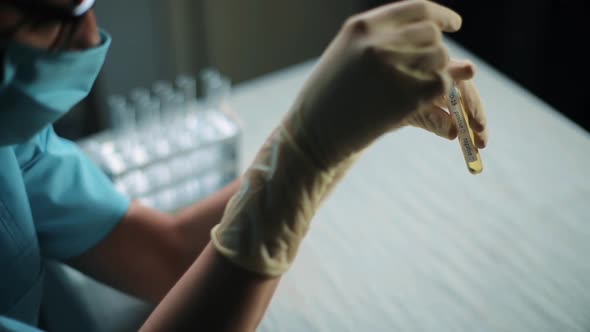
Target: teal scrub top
[[54, 204]]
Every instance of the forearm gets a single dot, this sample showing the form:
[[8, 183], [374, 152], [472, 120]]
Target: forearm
[[191, 228], [213, 295], [229, 288], [149, 242]]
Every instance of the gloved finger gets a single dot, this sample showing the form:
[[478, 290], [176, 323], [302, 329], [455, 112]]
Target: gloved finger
[[420, 34], [473, 105], [435, 84], [422, 69], [435, 120], [427, 59], [461, 70], [404, 12], [458, 71], [475, 113], [481, 139]]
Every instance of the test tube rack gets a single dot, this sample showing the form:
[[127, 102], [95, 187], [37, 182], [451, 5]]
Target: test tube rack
[[176, 159]]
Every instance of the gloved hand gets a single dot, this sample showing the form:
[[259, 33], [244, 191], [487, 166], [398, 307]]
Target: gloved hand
[[382, 66], [433, 117]]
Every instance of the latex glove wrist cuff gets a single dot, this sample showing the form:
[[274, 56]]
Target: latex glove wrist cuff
[[268, 217]]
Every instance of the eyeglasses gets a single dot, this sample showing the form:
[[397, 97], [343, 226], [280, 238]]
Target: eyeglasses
[[39, 13]]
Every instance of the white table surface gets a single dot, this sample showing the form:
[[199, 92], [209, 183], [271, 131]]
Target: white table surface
[[411, 241]]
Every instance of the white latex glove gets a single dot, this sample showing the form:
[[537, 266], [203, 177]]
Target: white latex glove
[[382, 66]]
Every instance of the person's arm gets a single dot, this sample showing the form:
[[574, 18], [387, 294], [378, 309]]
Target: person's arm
[[214, 295], [382, 67], [148, 250]]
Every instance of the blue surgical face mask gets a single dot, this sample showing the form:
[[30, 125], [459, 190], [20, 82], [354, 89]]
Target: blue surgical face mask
[[40, 86]]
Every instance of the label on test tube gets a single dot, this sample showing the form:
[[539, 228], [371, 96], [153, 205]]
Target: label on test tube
[[463, 131]]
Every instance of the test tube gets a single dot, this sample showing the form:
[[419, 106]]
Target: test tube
[[178, 106], [163, 91], [118, 113], [180, 103], [465, 133], [122, 122], [122, 119], [147, 108], [171, 101], [147, 115], [215, 87], [140, 99], [216, 92], [188, 86], [139, 95]]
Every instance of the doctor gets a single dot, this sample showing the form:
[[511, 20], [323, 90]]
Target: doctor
[[215, 265]]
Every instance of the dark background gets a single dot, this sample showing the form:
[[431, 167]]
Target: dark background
[[537, 43]]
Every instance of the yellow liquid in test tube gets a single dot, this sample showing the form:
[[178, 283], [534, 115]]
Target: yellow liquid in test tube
[[465, 134]]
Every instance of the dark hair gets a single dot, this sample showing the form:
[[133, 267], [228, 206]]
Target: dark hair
[[39, 12]]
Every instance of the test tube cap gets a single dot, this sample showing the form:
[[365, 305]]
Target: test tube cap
[[188, 85]]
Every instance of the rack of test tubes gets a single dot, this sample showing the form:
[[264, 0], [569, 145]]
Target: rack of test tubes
[[166, 148]]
